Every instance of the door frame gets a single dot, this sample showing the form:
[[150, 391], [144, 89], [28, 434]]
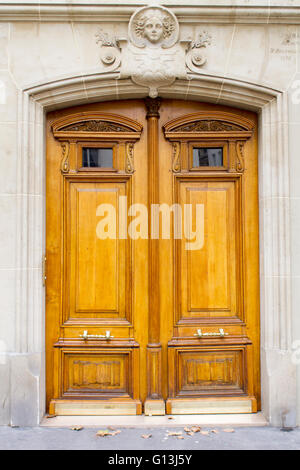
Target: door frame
[[278, 371]]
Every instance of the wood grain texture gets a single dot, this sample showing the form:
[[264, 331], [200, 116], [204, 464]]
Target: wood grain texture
[[217, 286], [154, 375], [91, 280], [152, 295]]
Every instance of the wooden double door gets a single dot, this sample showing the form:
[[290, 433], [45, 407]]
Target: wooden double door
[[152, 283]]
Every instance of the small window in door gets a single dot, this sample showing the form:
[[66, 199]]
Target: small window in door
[[207, 156], [93, 157]]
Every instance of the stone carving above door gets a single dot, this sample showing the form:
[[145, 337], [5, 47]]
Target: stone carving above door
[[153, 55], [153, 26]]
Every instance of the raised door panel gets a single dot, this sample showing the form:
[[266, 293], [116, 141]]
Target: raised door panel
[[101, 373], [95, 318], [211, 378], [213, 350], [97, 268], [202, 372], [208, 274]]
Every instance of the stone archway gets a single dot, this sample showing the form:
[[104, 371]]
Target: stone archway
[[278, 372]]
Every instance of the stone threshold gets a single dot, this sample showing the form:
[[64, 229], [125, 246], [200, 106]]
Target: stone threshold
[[255, 419]]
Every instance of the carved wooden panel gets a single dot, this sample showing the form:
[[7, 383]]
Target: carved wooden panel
[[203, 371], [209, 121], [208, 126], [99, 269], [96, 126], [208, 275], [96, 121], [100, 373]]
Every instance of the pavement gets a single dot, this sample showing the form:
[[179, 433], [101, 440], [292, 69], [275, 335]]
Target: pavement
[[177, 438]]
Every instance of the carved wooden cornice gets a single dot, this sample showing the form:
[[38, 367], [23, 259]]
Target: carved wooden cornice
[[229, 130], [95, 125], [209, 124]]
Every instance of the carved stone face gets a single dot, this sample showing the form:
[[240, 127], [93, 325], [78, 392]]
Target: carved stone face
[[153, 29]]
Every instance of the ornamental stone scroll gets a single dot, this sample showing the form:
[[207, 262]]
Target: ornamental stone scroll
[[153, 55]]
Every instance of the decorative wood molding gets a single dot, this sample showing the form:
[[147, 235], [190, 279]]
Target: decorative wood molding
[[240, 162], [176, 165], [95, 125], [209, 341], [105, 373], [65, 163], [109, 129], [208, 124], [129, 164], [154, 385], [97, 343], [212, 126], [152, 106]]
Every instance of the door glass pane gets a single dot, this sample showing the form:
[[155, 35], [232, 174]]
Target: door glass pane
[[207, 156], [97, 157]]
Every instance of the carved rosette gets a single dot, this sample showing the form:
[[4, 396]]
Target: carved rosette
[[110, 51], [195, 57]]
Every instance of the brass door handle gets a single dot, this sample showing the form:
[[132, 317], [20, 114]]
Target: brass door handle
[[86, 336], [221, 333]]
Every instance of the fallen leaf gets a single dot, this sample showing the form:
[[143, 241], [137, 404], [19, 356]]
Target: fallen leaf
[[77, 428], [215, 431], [190, 433], [187, 429], [175, 433], [170, 417], [180, 437], [146, 436], [195, 429], [228, 430], [103, 433], [205, 433], [51, 416], [114, 433]]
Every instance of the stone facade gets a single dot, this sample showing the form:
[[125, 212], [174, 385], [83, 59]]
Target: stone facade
[[61, 53]]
